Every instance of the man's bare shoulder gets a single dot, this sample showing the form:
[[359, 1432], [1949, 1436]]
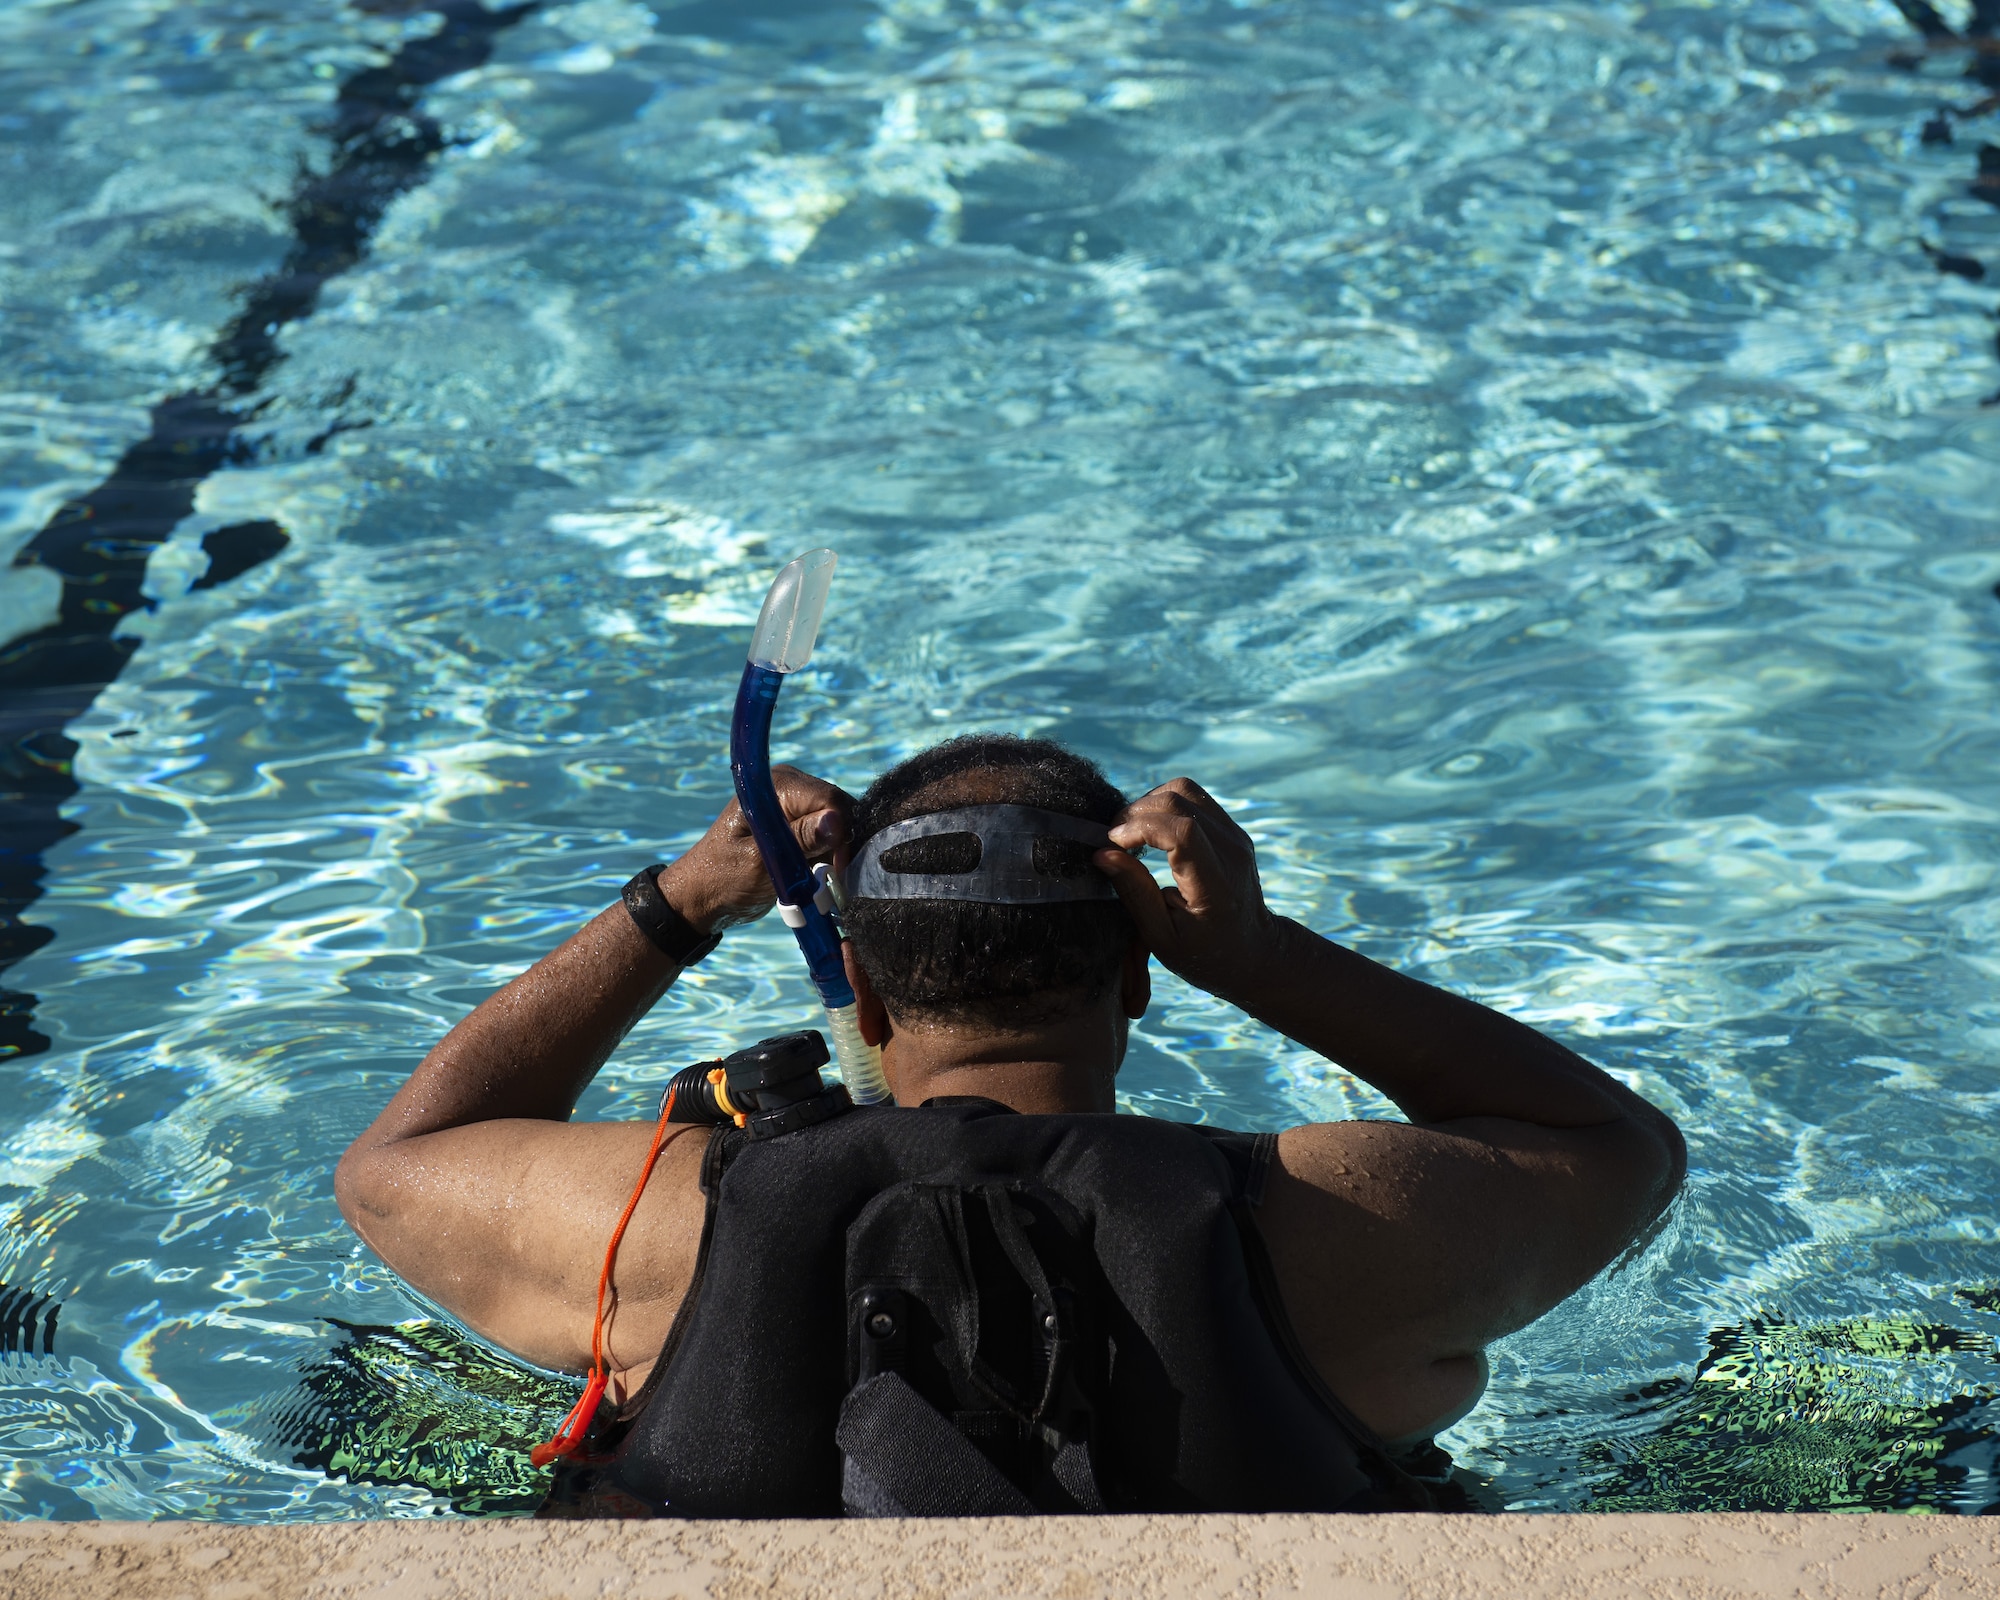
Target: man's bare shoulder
[[1353, 1215], [1404, 1249], [505, 1224]]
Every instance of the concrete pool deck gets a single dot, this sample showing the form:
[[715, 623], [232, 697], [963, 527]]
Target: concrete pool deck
[[1070, 1558]]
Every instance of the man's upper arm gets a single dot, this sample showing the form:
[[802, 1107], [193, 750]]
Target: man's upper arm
[[504, 1224], [1403, 1250]]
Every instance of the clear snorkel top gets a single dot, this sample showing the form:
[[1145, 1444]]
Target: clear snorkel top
[[787, 629]]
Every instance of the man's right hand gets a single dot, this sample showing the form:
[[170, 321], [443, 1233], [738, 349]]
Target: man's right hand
[[721, 881], [1211, 926]]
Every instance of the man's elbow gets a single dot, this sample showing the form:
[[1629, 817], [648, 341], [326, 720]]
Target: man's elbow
[[361, 1187], [1658, 1163]]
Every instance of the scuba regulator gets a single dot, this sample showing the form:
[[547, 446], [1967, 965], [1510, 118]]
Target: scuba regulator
[[771, 1088]]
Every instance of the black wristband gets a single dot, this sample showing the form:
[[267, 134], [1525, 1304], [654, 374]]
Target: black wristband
[[666, 929]]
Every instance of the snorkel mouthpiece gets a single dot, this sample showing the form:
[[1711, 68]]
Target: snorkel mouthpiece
[[787, 629]]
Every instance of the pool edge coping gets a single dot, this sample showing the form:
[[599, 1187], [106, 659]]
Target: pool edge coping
[[1062, 1558]]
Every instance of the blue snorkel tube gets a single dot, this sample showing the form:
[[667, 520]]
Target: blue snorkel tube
[[787, 629]]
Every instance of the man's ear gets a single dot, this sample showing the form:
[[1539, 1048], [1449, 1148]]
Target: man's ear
[[1135, 980], [870, 1015]]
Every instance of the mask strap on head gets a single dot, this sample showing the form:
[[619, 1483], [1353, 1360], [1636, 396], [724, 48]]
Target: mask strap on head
[[992, 855]]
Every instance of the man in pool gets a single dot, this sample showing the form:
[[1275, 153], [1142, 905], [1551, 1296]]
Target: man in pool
[[1008, 1300]]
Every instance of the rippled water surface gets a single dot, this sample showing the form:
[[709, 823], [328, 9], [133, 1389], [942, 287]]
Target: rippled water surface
[[1522, 456]]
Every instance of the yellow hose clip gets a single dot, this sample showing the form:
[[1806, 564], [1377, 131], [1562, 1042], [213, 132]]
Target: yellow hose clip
[[721, 1084]]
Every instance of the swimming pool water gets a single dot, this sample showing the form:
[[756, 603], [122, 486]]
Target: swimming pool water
[[1523, 456]]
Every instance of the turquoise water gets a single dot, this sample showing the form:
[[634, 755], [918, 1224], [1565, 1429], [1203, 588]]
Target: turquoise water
[[1521, 456]]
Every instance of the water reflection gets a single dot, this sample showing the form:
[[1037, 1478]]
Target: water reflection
[[1520, 458]]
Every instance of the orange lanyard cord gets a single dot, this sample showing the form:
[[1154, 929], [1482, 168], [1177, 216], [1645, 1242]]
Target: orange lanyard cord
[[569, 1437]]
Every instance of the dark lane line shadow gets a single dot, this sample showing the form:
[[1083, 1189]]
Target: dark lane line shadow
[[383, 146], [234, 550], [1981, 40]]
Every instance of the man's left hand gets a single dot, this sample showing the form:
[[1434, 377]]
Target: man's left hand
[[1210, 926]]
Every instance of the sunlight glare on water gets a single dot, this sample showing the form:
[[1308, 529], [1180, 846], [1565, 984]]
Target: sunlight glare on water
[[1520, 456]]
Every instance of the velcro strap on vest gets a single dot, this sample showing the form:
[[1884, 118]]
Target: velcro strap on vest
[[903, 1459]]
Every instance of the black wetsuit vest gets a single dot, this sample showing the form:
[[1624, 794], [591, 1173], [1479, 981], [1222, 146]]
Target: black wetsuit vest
[[957, 1309]]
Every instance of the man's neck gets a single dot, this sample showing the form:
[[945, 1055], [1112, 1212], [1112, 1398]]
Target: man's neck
[[1065, 1066]]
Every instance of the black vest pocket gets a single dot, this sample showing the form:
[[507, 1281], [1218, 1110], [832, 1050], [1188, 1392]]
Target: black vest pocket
[[900, 1458], [982, 1302]]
